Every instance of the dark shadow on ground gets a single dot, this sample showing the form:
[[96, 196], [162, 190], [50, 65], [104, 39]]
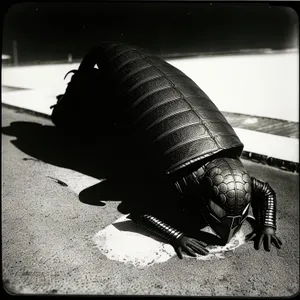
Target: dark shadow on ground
[[102, 154], [48, 144]]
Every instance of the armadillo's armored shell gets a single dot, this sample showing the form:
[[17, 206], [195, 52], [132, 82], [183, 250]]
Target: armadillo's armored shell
[[172, 113]]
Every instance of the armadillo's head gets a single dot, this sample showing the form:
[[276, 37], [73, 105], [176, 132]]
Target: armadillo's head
[[227, 197], [222, 190]]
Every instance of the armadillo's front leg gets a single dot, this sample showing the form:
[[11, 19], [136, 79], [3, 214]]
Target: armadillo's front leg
[[171, 235], [264, 211]]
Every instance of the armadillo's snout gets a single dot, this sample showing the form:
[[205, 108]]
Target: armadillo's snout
[[226, 227]]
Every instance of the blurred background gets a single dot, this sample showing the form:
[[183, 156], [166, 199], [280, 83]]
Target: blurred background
[[50, 32]]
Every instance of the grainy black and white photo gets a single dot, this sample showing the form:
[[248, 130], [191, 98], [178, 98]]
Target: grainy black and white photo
[[150, 148]]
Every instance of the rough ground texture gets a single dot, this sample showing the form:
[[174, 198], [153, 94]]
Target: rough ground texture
[[48, 230]]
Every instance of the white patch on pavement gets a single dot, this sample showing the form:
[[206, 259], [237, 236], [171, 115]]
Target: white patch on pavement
[[131, 245], [126, 242], [219, 251]]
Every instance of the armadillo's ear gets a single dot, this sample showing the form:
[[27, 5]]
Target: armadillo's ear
[[89, 60], [72, 71]]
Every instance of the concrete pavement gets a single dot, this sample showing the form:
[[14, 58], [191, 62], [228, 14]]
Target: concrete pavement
[[49, 234]]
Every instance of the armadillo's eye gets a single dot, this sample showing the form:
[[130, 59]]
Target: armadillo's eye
[[216, 209]]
